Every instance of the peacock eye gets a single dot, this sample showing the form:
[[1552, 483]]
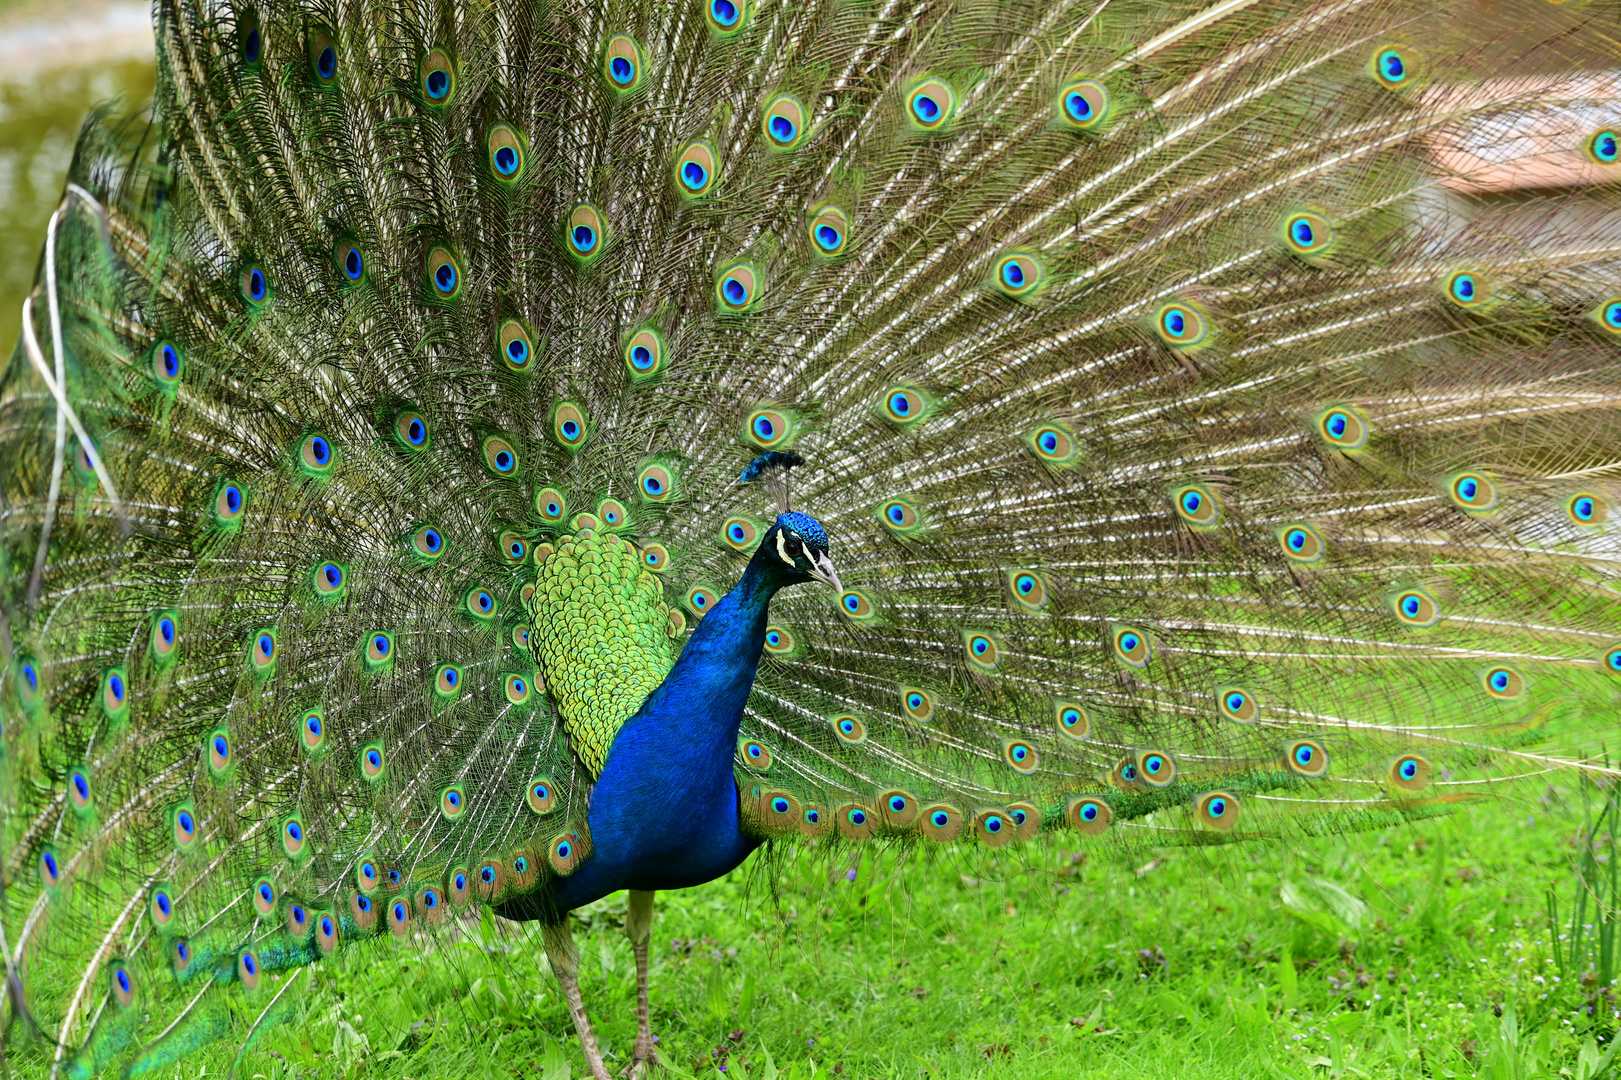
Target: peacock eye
[[793, 547]]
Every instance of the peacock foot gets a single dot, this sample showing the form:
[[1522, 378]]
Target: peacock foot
[[643, 1061]]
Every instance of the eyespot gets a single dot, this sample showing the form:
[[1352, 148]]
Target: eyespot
[[50, 871], [568, 425], [1020, 756], [1197, 505], [1028, 589], [941, 822], [1132, 646], [739, 533], [427, 543], [783, 121], [1054, 444], [514, 346], [1083, 104], [372, 762], [1608, 315], [1601, 147], [255, 285], [160, 909], [326, 934], [1237, 705], [550, 504], [1415, 607], [114, 694], [183, 826], [656, 557], [500, 456], [1156, 769], [1473, 491], [1343, 428], [1586, 508], [229, 502], [517, 688], [676, 623], [262, 651], [1306, 758], [1182, 325], [754, 755], [583, 522], [622, 64], [855, 822], [323, 57], [565, 853], [329, 580], [79, 789], [218, 748], [542, 795], [768, 428], [829, 230], [166, 365], [737, 288], [613, 514], [917, 704], [644, 354], [814, 821], [857, 606], [1089, 816], [350, 261], [367, 876], [1396, 68], [298, 920], [165, 636], [725, 16], [28, 684], [994, 828], [655, 482], [452, 801], [930, 104], [903, 405], [1468, 289], [1074, 722], [1410, 773], [1018, 274], [436, 77], [399, 918], [897, 808], [700, 598], [981, 650], [458, 884], [1612, 661], [315, 455], [1503, 683], [1217, 810], [480, 603], [696, 169], [778, 641], [379, 649], [312, 730], [1308, 234], [506, 153], [444, 273], [584, 232], [1301, 543], [362, 910], [900, 516], [292, 837], [780, 810], [249, 38], [849, 729], [514, 549], [411, 430]]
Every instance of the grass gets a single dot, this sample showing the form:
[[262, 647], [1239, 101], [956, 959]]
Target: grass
[[1424, 952]]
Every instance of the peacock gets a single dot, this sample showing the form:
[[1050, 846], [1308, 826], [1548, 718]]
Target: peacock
[[491, 455]]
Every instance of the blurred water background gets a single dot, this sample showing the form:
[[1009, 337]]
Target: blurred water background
[[57, 61]]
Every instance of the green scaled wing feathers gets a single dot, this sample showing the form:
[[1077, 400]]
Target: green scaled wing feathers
[[1208, 445]]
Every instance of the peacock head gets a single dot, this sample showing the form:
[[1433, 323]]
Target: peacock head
[[799, 544]]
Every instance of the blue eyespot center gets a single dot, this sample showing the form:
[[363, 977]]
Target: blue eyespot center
[[724, 11], [233, 499], [782, 129], [828, 237], [694, 175], [250, 47], [585, 238], [780, 805], [1191, 501], [267, 894], [1409, 769], [267, 645], [221, 747], [1079, 108], [1303, 233], [445, 277], [1013, 275], [437, 84], [381, 644], [928, 110], [1391, 64], [896, 804], [319, 450], [327, 64], [900, 404], [294, 832], [185, 821], [734, 291], [256, 284], [993, 824], [506, 161], [171, 361], [622, 70], [571, 429], [1176, 322]]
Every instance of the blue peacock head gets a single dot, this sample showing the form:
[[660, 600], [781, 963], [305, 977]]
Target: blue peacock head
[[796, 544], [799, 544]]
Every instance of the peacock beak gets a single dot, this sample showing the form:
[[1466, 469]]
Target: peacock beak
[[822, 570]]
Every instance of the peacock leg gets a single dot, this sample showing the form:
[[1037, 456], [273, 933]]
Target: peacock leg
[[639, 928], [565, 958]]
